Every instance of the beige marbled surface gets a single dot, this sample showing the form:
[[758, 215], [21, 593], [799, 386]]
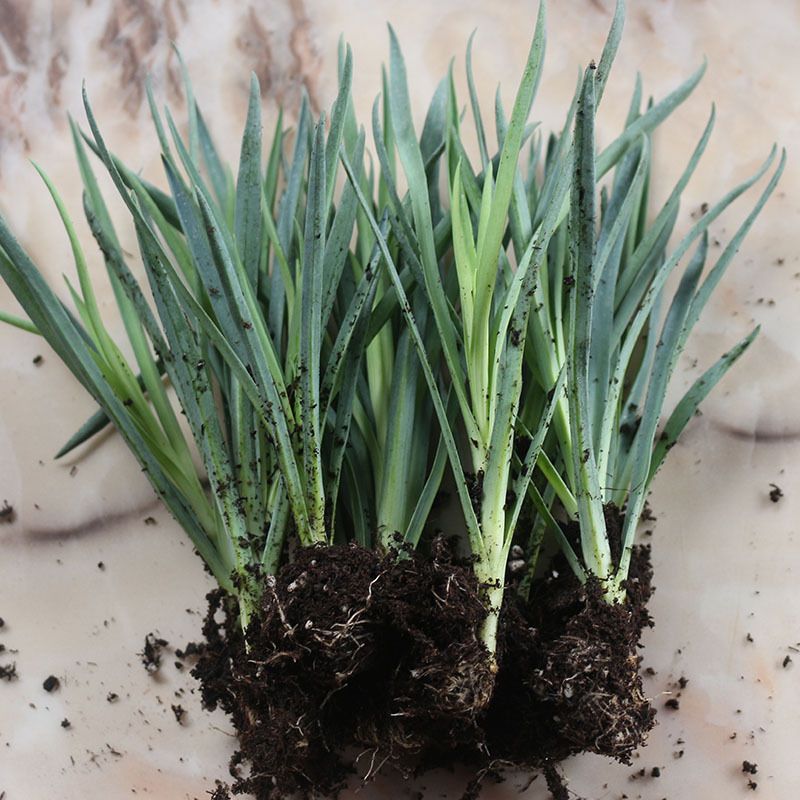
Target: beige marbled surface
[[727, 559]]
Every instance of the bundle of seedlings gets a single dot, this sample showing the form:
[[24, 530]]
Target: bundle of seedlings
[[349, 344], [547, 305]]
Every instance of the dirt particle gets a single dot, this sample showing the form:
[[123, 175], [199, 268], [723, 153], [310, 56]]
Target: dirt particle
[[8, 672], [749, 767], [38, 361], [191, 650], [7, 513], [752, 785], [112, 697], [51, 683], [180, 712], [150, 521], [775, 493], [786, 661], [683, 682], [66, 724], [151, 655], [101, 566], [655, 772], [673, 703]]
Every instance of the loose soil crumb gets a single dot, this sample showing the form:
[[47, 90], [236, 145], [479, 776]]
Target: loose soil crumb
[[8, 672], [786, 661], [555, 783], [112, 697], [381, 656], [51, 683], [151, 655], [7, 513], [749, 767], [65, 723], [775, 493], [179, 712], [673, 703]]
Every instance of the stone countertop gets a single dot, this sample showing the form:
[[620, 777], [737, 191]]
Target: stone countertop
[[726, 559]]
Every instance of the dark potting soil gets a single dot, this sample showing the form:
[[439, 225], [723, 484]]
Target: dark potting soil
[[358, 661]]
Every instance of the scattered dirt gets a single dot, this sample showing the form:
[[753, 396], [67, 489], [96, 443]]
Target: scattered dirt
[[356, 654], [749, 767], [775, 493], [7, 513], [8, 672], [151, 655], [180, 712], [51, 683]]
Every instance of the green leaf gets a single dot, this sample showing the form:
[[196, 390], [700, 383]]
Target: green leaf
[[594, 544], [311, 334], [411, 157], [248, 188], [689, 403], [473, 529]]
